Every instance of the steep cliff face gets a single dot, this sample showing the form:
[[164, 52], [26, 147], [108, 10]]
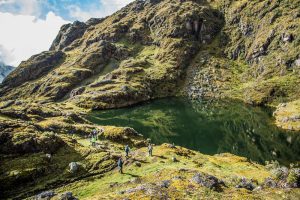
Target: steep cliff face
[[136, 54], [150, 49], [256, 55]]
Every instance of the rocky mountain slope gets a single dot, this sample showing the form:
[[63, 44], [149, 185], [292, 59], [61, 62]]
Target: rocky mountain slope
[[150, 49], [248, 50], [4, 70]]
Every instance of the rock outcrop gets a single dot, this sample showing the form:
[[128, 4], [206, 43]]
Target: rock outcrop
[[137, 54], [150, 49], [33, 68], [68, 34]]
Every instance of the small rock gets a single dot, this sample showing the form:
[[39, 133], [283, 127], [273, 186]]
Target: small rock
[[48, 156], [283, 105], [111, 185], [297, 62], [165, 183], [45, 195], [174, 159], [287, 37], [244, 183], [259, 188], [208, 181], [67, 196], [177, 178], [73, 167], [269, 182], [289, 139], [285, 119], [138, 164]]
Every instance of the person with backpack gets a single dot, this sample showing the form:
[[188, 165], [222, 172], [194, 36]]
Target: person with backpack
[[120, 165], [127, 149], [150, 150]]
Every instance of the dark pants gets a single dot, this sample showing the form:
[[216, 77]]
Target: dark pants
[[127, 152], [150, 152]]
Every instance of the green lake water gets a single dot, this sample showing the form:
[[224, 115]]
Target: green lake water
[[210, 127]]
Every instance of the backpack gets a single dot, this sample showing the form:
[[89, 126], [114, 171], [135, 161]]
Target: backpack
[[120, 163]]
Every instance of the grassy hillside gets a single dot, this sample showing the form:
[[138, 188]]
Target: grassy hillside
[[240, 49]]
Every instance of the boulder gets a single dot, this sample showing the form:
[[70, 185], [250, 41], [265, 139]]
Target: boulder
[[245, 183], [73, 167], [165, 184], [67, 196], [280, 173], [138, 164], [287, 37], [208, 181], [270, 183], [45, 195], [174, 159], [297, 62]]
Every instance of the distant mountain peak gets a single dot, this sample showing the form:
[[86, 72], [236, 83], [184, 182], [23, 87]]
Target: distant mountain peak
[[4, 70]]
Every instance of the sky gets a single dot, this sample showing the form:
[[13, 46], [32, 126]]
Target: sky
[[28, 27]]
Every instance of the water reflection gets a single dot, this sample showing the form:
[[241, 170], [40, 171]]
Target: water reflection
[[209, 126]]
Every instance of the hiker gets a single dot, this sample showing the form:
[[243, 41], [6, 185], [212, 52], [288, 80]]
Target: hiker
[[120, 165], [93, 141], [150, 150], [95, 133], [127, 149]]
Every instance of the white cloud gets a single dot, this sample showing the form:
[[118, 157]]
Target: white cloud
[[23, 36], [107, 7], [6, 56], [23, 33], [83, 15], [23, 7], [116, 3]]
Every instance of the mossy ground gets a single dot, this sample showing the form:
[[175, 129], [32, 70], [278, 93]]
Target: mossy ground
[[160, 167], [288, 116], [152, 71]]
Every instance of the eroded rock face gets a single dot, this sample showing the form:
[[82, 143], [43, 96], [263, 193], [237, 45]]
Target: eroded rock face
[[90, 48], [93, 21], [34, 68], [18, 138], [148, 46], [67, 34]]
